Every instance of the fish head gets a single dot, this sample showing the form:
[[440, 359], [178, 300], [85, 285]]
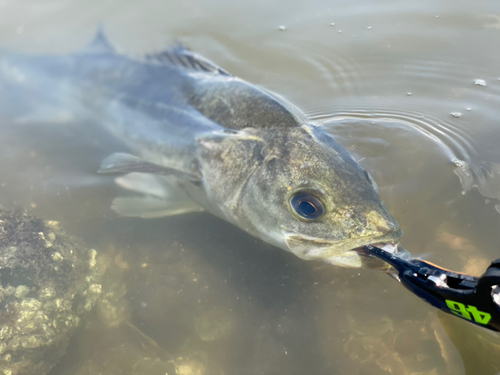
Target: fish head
[[310, 197], [298, 189]]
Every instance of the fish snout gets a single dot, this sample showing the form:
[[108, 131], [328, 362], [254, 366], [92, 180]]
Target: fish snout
[[382, 223]]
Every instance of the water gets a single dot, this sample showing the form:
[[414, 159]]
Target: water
[[201, 297]]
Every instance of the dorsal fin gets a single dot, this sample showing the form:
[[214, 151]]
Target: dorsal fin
[[100, 43], [183, 57]]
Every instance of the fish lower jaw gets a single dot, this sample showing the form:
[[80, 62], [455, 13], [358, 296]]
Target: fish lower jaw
[[387, 243], [345, 253], [353, 259]]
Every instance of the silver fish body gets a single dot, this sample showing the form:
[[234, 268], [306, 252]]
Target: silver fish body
[[204, 139]]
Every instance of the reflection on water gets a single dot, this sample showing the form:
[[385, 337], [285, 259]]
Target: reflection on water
[[194, 295]]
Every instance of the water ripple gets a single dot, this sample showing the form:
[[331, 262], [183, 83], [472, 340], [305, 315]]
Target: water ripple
[[453, 140]]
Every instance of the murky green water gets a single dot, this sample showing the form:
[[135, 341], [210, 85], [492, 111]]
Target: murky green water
[[397, 83]]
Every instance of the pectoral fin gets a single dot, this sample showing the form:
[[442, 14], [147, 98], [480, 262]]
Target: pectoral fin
[[159, 197], [147, 207], [126, 163]]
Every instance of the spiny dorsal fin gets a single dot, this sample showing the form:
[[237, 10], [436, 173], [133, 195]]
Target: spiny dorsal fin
[[185, 58], [100, 43]]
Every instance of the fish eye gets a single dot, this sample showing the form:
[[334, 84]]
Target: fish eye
[[307, 206]]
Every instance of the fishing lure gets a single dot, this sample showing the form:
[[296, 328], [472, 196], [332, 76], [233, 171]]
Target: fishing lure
[[474, 299]]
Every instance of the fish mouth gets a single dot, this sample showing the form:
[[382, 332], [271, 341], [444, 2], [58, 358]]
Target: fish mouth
[[387, 242], [347, 253], [390, 247], [357, 258]]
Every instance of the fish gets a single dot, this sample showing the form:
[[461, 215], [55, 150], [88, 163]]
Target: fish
[[202, 139]]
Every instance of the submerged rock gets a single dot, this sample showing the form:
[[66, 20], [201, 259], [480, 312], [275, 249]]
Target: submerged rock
[[48, 281]]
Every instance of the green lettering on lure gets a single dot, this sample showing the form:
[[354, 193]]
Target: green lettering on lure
[[468, 312]]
